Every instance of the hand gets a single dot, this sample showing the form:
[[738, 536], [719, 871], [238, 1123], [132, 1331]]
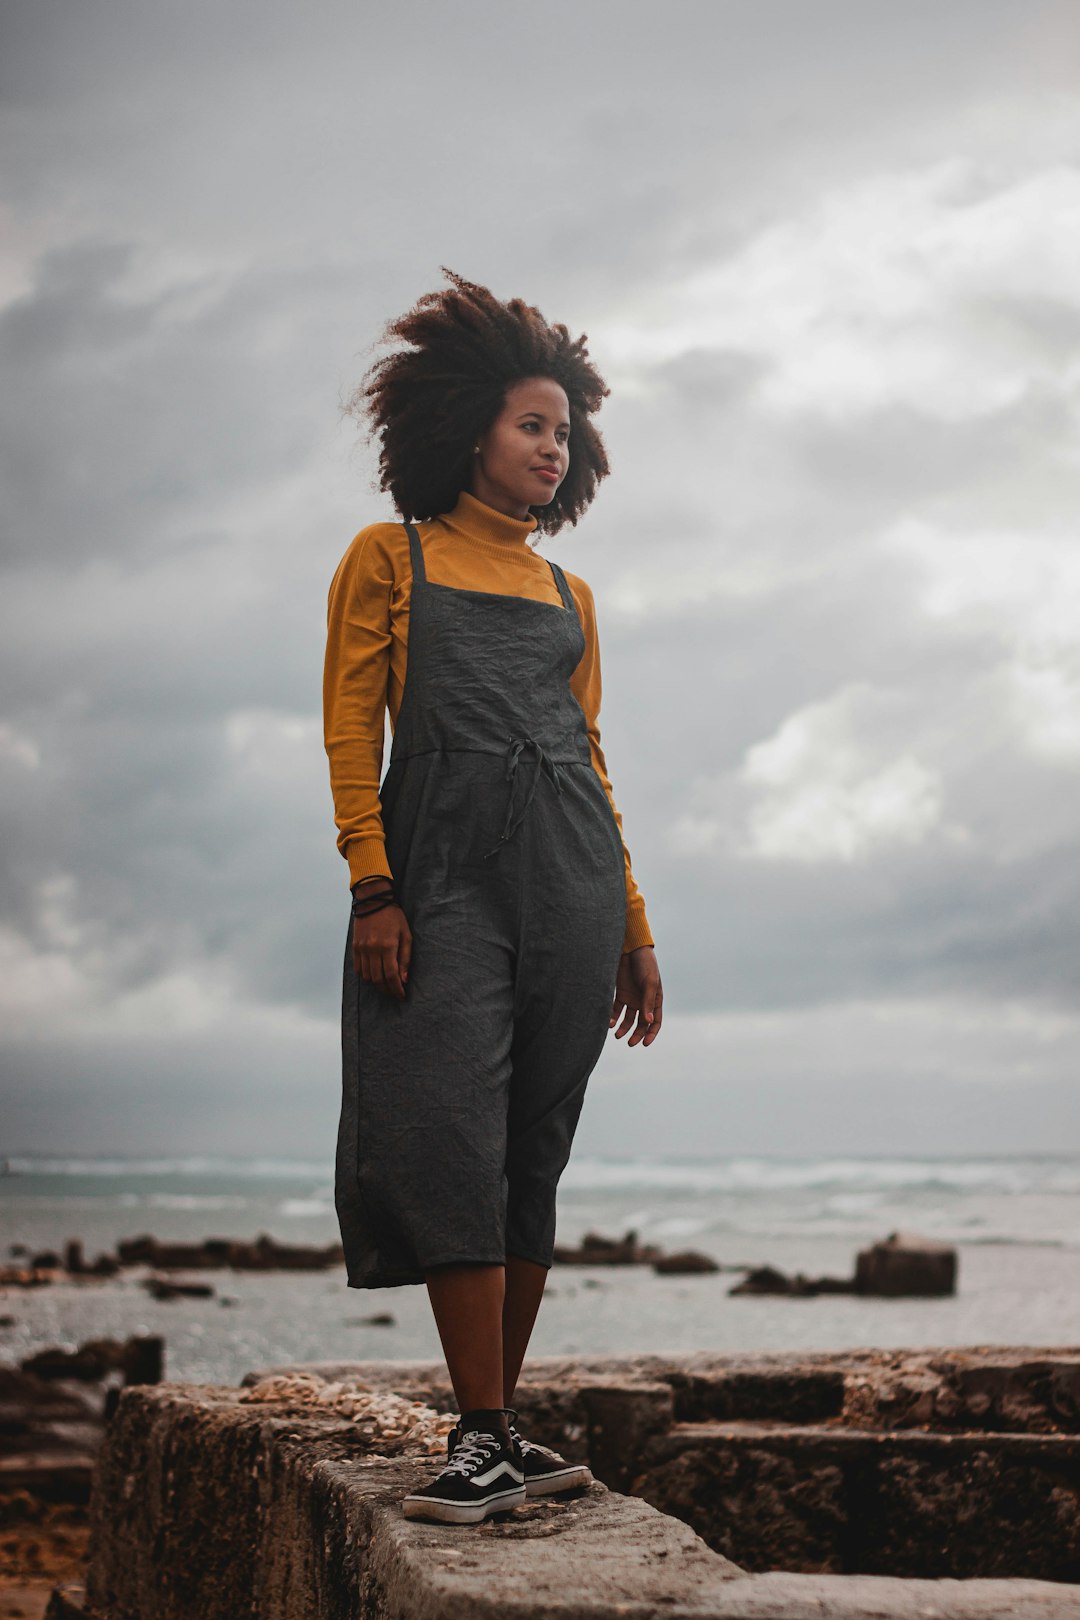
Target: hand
[[382, 946], [638, 990]]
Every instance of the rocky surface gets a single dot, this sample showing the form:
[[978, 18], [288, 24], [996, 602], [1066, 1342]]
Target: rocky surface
[[54, 1409], [41, 1543], [306, 1520], [847, 1501]]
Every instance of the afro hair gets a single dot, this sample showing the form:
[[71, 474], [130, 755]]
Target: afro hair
[[430, 399]]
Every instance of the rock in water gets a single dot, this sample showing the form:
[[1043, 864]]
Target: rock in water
[[685, 1262], [906, 1263]]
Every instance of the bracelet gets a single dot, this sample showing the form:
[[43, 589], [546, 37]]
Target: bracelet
[[364, 905], [369, 907]]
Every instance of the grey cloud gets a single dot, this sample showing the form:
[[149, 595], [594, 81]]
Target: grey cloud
[[218, 209]]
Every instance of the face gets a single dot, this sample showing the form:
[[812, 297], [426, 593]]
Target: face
[[525, 453]]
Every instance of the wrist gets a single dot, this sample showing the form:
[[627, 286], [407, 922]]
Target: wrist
[[373, 896]]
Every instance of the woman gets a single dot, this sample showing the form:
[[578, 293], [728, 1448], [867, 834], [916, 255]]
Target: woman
[[497, 933]]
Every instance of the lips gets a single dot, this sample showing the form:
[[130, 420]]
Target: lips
[[547, 472]]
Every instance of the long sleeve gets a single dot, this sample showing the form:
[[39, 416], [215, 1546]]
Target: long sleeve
[[367, 655], [585, 683], [355, 677]]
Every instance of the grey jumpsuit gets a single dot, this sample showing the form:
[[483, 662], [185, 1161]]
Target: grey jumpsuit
[[460, 1102]]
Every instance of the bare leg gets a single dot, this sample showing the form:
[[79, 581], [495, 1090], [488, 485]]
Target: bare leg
[[524, 1290], [467, 1301]]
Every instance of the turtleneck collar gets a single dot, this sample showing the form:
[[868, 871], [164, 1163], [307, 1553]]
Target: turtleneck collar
[[491, 531]]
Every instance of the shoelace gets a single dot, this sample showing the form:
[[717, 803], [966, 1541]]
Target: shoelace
[[528, 1445], [470, 1451]]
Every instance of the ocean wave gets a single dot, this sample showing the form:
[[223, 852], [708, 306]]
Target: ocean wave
[[748, 1175], [193, 1165], [296, 1208]]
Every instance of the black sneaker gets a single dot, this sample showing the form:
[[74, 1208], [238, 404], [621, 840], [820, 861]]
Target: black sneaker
[[546, 1472], [484, 1475]]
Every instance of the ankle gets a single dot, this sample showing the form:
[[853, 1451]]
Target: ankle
[[496, 1419]]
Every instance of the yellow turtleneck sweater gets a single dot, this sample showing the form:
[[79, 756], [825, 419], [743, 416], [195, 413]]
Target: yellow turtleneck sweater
[[471, 548]]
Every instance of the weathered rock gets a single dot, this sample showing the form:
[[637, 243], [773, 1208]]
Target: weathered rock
[[305, 1524], [26, 1276], [621, 1420], [906, 1264], [68, 1602], [166, 1288], [95, 1358], [856, 1502], [49, 1434], [54, 1410], [768, 1280], [264, 1254], [687, 1262], [597, 1250], [864, 1389]]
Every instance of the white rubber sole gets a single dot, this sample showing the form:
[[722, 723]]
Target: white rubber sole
[[450, 1512], [571, 1479]]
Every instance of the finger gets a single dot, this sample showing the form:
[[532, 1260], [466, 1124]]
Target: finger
[[404, 954], [641, 1029], [378, 969], [654, 1029], [652, 1001], [627, 1023], [391, 974]]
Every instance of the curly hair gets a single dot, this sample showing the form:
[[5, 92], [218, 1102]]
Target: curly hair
[[428, 402]]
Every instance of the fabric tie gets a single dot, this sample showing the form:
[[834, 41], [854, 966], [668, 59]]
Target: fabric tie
[[513, 754]]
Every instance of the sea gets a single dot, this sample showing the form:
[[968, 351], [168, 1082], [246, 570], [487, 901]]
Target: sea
[[1015, 1222]]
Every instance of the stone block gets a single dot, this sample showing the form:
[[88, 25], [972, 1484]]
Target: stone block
[[906, 1264]]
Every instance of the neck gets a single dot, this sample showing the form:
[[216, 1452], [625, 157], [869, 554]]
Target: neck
[[474, 518], [509, 509], [481, 490]]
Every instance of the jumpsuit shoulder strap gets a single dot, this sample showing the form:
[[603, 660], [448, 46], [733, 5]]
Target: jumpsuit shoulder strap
[[416, 553], [564, 589]]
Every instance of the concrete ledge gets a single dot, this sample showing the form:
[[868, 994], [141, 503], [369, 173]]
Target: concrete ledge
[[206, 1508]]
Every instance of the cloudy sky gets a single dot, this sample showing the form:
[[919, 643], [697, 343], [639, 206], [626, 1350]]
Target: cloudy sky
[[826, 256]]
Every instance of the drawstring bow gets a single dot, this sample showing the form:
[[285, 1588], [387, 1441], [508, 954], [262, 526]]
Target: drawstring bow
[[543, 762]]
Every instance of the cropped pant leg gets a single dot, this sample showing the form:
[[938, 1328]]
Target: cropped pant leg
[[422, 1146], [568, 960]]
